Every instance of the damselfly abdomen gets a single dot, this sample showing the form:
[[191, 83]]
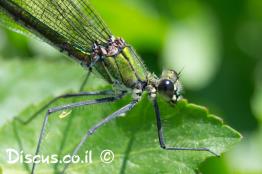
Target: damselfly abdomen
[[73, 27]]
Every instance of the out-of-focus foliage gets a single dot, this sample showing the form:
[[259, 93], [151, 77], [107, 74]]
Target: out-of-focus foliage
[[217, 44]]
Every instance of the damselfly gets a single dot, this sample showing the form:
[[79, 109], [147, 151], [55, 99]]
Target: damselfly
[[74, 28]]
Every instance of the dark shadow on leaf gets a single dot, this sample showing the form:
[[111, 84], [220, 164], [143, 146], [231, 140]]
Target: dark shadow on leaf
[[126, 155], [20, 144]]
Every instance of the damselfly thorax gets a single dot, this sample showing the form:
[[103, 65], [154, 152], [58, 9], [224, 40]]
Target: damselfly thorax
[[85, 38], [74, 28], [119, 64]]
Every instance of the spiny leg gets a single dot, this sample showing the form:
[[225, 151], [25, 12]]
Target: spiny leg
[[108, 92], [92, 130], [161, 135], [71, 106], [80, 94]]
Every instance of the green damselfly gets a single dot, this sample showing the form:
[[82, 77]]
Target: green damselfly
[[74, 28]]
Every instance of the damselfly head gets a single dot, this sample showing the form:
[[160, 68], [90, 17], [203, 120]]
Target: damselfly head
[[169, 86]]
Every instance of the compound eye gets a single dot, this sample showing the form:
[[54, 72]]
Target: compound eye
[[166, 87]]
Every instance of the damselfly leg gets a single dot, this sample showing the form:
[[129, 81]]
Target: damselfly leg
[[80, 94], [92, 130], [64, 96], [72, 106], [161, 134]]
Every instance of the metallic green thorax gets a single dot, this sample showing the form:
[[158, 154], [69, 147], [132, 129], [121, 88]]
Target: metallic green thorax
[[125, 68]]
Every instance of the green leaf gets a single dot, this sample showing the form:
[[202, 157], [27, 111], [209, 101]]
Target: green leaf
[[132, 138], [23, 82]]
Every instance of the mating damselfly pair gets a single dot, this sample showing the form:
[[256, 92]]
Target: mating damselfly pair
[[74, 28]]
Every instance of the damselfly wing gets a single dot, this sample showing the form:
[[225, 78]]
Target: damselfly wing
[[74, 28]]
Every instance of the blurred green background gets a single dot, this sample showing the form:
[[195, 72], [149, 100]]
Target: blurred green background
[[216, 44]]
